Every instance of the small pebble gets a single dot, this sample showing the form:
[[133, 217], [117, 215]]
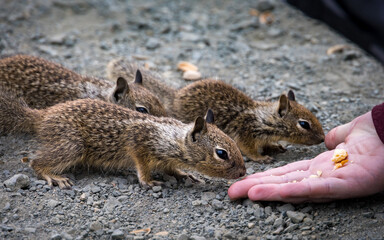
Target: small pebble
[[278, 222], [56, 236], [156, 189], [117, 234], [152, 43], [196, 237], [48, 50], [291, 228], [217, 205], [18, 181], [286, 207], [53, 203], [196, 203], [208, 196], [270, 220], [29, 230], [183, 237], [265, 5], [296, 217]]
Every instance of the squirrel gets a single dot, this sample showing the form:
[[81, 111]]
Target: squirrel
[[99, 134], [42, 84], [256, 126]]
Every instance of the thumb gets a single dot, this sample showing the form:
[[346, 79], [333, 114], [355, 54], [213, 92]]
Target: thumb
[[337, 135]]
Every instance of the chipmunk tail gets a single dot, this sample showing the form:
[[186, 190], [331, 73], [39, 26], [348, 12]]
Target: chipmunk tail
[[16, 116]]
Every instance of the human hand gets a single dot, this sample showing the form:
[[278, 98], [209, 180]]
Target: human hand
[[363, 174]]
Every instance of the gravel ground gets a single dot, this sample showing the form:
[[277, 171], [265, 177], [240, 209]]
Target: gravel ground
[[225, 40]]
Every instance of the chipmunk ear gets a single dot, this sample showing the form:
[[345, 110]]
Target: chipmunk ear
[[291, 95], [121, 89], [209, 118], [200, 127], [283, 105], [138, 77]]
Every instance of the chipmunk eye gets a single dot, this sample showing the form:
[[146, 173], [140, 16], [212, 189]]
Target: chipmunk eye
[[222, 154], [141, 109], [304, 124]]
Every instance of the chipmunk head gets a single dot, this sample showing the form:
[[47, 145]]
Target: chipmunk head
[[301, 125], [212, 152], [136, 97]]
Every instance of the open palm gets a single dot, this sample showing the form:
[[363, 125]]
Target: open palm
[[361, 176]]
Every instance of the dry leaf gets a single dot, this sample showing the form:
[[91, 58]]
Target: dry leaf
[[25, 160], [191, 75], [254, 12], [145, 230], [336, 49], [164, 233], [266, 18], [186, 66], [319, 173]]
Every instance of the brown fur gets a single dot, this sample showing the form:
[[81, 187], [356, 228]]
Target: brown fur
[[256, 126], [15, 116], [120, 68], [42, 83], [98, 134]]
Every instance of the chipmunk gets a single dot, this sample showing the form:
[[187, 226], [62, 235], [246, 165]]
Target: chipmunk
[[256, 126], [42, 83], [94, 133]]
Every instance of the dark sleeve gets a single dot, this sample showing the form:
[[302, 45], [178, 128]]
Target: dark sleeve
[[378, 120], [362, 21]]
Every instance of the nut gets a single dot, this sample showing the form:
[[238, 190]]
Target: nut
[[339, 158], [192, 75], [339, 155], [186, 66]]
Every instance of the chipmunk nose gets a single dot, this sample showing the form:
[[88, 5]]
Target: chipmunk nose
[[321, 138], [242, 172]]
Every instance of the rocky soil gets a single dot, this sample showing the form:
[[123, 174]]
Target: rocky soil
[[225, 39]]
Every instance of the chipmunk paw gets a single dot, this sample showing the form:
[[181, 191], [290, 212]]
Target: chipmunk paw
[[193, 178], [261, 159], [56, 180], [180, 175], [150, 184], [273, 149]]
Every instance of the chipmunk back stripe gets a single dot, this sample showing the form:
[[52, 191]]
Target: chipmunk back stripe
[[42, 83]]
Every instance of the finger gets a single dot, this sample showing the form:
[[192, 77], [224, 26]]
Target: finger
[[337, 135], [240, 189], [292, 167], [315, 190]]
